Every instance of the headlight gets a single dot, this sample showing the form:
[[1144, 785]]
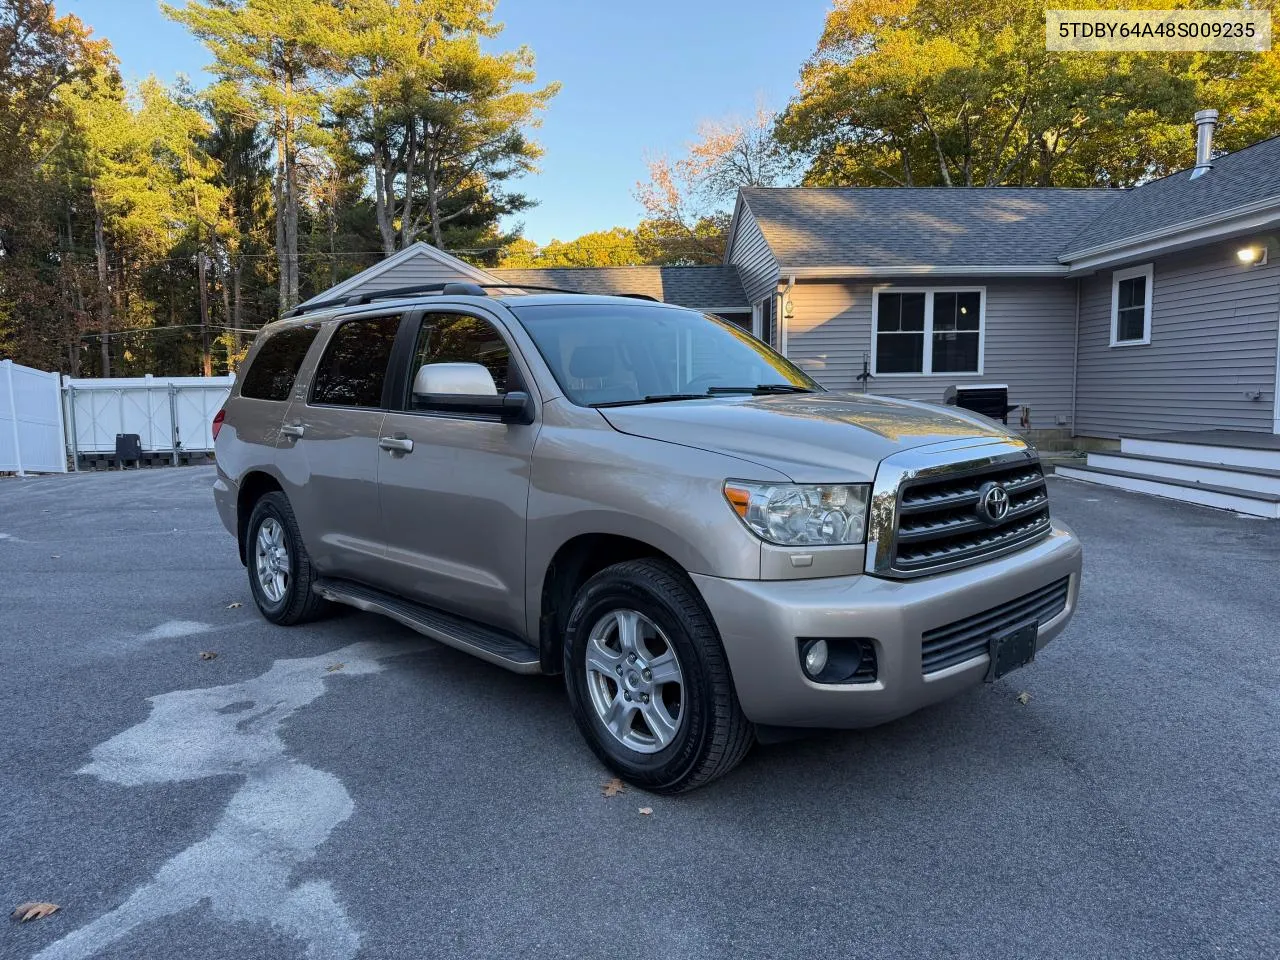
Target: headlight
[[798, 514]]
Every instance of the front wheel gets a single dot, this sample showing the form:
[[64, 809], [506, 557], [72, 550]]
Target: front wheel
[[648, 680]]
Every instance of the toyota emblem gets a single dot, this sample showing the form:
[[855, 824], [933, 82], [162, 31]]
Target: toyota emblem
[[993, 503]]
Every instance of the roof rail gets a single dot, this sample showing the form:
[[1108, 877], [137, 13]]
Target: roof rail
[[452, 289]]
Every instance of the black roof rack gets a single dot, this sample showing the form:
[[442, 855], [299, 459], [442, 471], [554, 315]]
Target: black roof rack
[[452, 289]]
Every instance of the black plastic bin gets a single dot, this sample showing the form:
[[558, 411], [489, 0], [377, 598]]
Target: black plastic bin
[[128, 447], [989, 399]]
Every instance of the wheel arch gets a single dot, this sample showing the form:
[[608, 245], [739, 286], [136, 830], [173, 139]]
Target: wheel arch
[[575, 562], [253, 486]]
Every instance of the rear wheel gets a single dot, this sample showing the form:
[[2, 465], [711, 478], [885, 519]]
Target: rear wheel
[[280, 571], [648, 680]]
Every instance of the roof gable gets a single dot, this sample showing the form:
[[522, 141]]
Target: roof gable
[[397, 261]]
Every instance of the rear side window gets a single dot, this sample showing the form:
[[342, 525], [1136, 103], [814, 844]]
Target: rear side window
[[276, 366], [354, 366]]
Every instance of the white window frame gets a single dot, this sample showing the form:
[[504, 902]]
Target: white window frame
[[1145, 270], [927, 359]]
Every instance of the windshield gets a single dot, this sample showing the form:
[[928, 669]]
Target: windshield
[[614, 354]]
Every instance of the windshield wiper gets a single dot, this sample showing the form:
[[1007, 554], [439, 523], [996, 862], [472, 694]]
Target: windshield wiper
[[652, 398], [762, 388]]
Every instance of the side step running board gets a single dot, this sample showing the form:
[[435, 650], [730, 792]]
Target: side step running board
[[495, 646]]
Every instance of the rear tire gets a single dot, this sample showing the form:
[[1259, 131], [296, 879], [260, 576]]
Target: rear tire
[[648, 679], [280, 572]]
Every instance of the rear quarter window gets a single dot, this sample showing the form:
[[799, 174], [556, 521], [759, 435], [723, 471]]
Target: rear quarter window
[[275, 367]]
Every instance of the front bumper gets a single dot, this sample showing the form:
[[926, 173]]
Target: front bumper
[[760, 621]]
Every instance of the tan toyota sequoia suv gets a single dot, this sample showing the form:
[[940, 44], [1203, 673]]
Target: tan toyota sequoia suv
[[704, 541]]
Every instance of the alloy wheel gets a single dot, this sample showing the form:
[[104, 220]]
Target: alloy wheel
[[635, 681]]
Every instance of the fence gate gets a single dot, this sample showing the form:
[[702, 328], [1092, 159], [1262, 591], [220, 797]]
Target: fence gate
[[32, 439]]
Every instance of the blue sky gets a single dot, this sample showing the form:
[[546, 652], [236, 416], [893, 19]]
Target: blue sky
[[637, 78]]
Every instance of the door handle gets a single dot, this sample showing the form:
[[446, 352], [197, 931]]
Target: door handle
[[294, 430], [396, 444]]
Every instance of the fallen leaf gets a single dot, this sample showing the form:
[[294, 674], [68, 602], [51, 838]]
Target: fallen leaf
[[208, 655], [233, 606], [1024, 698], [335, 666], [613, 787], [33, 911], [646, 810]]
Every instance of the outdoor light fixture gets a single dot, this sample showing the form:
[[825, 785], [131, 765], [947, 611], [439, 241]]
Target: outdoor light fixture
[[1254, 256]]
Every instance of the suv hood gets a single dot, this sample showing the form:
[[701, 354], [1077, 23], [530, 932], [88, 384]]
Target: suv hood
[[812, 437]]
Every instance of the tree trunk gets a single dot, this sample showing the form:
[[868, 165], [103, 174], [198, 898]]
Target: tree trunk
[[282, 262], [410, 165], [202, 276], [220, 269], [383, 184], [291, 221], [237, 304], [104, 289], [433, 205]]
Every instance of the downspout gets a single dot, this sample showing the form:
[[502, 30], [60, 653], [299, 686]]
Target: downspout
[[783, 314], [1075, 359]]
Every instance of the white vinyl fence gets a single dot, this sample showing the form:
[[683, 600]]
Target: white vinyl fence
[[31, 433], [170, 414]]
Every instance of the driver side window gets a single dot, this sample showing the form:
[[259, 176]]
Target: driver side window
[[461, 338]]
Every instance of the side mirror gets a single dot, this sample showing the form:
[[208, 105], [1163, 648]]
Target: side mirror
[[468, 388]]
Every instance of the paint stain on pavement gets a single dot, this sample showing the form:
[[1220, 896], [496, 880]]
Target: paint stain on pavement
[[173, 629], [274, 822]]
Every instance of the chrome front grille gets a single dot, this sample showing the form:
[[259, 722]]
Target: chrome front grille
[[942, 524]]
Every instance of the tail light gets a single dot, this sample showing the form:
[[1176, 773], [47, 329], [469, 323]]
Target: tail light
[[217, 422]]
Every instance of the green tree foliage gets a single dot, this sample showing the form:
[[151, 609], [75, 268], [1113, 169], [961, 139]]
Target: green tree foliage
[[940, 92], [274, 59], [618, 247], [41, 56], [439, 121], [157, 227]]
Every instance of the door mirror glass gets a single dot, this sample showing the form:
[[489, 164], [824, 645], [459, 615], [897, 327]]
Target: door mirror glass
[[466, 379]]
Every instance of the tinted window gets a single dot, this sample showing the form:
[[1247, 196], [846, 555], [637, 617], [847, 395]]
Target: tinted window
[[620, 353], [276, 365], [457, 338], [354, 366]]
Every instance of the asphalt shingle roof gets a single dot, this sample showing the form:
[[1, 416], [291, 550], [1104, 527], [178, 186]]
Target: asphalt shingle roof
[[1239, 178], [885, 227], [702, 288]]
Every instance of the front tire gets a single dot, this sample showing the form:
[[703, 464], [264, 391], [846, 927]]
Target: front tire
[[280, 571], [648, 680]]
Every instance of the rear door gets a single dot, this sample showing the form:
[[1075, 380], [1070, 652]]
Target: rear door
[[454, 506], [328, 457], [251, 431]]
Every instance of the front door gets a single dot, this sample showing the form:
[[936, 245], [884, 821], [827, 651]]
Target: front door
[[328, 457], [455, 488]]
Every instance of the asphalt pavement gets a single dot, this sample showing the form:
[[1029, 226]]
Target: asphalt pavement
[[350, 789]]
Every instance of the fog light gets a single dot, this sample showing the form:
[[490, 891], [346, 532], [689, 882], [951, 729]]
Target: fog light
[[815, 658]]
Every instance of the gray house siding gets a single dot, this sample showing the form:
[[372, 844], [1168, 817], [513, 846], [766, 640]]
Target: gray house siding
[[1029, 341], [757, 267], [413, 271], [1213, 344]]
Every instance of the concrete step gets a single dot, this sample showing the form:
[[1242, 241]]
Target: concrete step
[[1223, 454], [1257, 479], [1208, 495]]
